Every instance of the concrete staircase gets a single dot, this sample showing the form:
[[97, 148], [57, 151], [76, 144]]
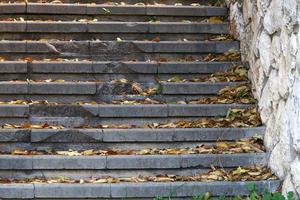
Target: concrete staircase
[[68, 74]]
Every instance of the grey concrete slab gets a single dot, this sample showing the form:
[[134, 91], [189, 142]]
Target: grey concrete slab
[[62, 88], [17, 191], [144, 162], [15, 135], [66, 135], [13, 47], [224, 160], [137, 135], [8, 26], [216, 134], [71, 191], [133, 110], [184, 47], [15, 8], [201, 110], [50, 8], [61, 67], [13, 67], [10, 110], [185, 11], [7, 87], [195, 88], [56, 27], [193, 67], [68, 162], [12, 162], [182, 27]]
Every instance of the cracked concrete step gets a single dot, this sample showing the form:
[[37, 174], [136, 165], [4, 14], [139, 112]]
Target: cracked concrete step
[[114, 47], [141, 191], [127, 135], [132, 111], [122, 162], [94, 9], [113, 27], [194, 87]]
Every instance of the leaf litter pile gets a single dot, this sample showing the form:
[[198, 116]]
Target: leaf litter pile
[[253, 145], [251, 173]]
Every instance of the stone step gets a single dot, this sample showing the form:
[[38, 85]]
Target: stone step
[[98, 67], [142, 72], [143, 191], [109, 47], [194, 87], [111, 36], [102, 9], [112, 27], [107, 88], [118, 111], [129, 162], [139, 135], [133, 111]]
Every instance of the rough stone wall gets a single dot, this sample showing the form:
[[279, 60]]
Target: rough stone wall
[[270, 42]]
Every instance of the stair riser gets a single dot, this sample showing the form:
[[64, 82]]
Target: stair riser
[[99, 89], [132, 190], [106, 36], [114, 27], [129, 162], [83, 68], [113, 50], [127, 135], [105, 71], [87, 10], [119, 111]]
